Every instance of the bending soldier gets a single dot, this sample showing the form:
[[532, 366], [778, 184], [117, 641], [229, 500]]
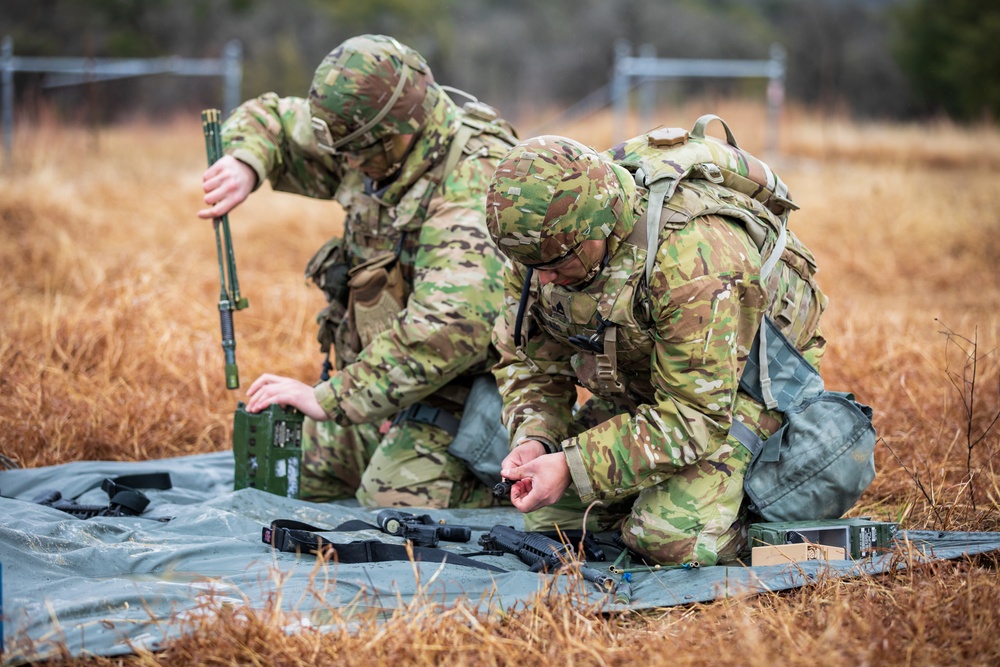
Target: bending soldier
[[660, 346], [414, 285]]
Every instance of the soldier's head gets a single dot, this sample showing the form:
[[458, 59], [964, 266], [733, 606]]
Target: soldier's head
[[552, 204], [369, 97]]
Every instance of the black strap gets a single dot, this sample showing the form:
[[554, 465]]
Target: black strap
[[291, 536], [324, 374], [124, 500], [426, 414], [122, 490], [519, 319]]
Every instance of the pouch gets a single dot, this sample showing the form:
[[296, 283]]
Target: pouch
[[482, 442], [817, 464], [328, 269], [377, 296]]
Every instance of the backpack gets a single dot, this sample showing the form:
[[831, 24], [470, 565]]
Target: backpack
[[821, 460]]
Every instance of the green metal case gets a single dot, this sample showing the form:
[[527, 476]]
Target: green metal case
[[267, 447]]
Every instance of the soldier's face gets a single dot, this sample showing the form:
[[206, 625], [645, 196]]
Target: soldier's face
[[573, 269], [381, 159]]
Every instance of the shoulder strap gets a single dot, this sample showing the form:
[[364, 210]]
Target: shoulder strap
[[465, 132], [657, 195]]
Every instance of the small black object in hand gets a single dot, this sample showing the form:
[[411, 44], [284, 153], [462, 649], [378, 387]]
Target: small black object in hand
[[502, 490]]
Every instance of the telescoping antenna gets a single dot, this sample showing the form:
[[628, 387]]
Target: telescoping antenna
[[229, 284]]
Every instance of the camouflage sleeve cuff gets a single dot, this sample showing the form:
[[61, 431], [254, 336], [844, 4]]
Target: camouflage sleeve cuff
[[329, 402], [248, 158], [550, 447], [578, 470], [548, 441]]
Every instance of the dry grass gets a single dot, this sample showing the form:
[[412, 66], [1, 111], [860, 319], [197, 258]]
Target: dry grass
[[109, 349]]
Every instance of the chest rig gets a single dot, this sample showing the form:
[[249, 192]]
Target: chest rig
[[681, 176]]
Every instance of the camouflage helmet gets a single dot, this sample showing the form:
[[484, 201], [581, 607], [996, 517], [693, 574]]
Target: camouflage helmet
[[369, 88], [548, 195]]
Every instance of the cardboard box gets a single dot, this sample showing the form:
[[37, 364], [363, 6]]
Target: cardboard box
[[795, 553]]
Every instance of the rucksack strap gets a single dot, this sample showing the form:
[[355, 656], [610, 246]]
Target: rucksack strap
[[698, 130], [289, 536], [746, 437], [777, 375], [771, 353], [607, 363], [793, 378], [465, 132], [657, 195]]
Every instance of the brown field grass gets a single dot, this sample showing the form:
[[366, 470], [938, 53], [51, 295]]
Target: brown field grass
[[109, 349]]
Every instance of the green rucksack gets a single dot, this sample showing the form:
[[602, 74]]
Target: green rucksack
[[821, 460]]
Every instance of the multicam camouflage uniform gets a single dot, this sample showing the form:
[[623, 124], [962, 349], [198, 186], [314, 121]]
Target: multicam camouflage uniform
[[430, 219], [662, 361]]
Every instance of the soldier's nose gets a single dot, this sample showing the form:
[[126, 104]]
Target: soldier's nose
[[546, 277]]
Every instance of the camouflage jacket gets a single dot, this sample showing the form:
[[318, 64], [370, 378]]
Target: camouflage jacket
[[680, 343], [451, 267]]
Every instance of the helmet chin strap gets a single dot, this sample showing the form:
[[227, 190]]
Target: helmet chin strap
[[594, 269], [595, 266]]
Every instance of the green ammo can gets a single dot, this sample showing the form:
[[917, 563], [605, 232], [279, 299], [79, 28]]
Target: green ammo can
[[860, 537], [267, 447]]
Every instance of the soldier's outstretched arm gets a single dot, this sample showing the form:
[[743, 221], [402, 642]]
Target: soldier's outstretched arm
[[273, 136]]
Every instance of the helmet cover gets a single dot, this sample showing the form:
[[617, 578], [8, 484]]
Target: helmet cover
[[368, 88], [548, 195]]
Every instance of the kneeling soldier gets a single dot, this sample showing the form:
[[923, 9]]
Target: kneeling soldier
[[643, 280], [414, 284]]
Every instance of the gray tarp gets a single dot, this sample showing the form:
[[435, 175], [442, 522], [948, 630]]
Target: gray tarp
[[105, 585]]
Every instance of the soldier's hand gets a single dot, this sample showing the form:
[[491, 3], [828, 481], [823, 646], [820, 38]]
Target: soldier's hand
[[268, 389], [227, 183], [539, 482], [526, 451]]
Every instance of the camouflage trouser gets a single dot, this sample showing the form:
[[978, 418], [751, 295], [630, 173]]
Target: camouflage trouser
[[407, 466], [697, 514]]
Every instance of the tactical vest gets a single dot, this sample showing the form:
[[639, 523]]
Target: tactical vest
[[685, 176], [367, 275]]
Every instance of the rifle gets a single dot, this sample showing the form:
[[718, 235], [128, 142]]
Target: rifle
[[422, 530], [539, 552], [229, 296]]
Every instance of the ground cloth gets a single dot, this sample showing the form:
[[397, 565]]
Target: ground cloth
[[107, 585]]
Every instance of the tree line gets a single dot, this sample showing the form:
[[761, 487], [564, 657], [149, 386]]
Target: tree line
[[892, 59]]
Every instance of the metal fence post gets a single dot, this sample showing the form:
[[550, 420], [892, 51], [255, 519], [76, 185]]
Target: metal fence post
[[775, 97], [620, 85], [7, 83], [647, 90], [233, 56]]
